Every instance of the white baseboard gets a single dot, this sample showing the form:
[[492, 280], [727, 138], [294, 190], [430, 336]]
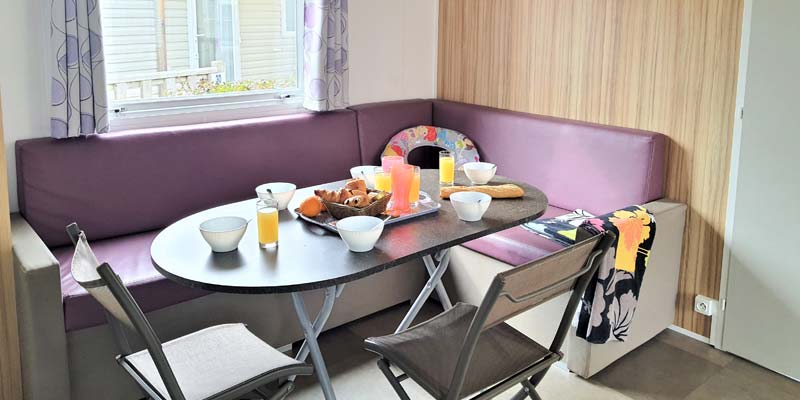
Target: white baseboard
[[690, 334]]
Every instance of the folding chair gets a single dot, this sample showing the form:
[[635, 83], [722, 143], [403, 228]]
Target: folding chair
[[220, 362], [471, 350]]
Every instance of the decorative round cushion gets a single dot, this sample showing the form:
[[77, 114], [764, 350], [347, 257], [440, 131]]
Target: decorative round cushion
[[447, 139]]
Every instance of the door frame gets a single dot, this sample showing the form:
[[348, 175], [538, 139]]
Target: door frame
[[718, 320]]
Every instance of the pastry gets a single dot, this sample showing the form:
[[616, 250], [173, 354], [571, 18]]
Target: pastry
[[356, 184], [328, 195], [506, 191], [311, 207], [359, 201], [358, 193]]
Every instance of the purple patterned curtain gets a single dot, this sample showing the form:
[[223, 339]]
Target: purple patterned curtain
[[325, 71], [78, 85]]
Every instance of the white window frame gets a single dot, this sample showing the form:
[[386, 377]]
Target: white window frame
[[151, 113], [298, 12]]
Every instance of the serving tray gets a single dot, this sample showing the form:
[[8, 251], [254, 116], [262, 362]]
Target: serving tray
[[425, 206]]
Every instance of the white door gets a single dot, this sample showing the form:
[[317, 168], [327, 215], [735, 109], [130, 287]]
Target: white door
[[762, 315]]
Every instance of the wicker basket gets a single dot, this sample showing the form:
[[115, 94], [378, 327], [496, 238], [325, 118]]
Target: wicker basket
[[340, 211]]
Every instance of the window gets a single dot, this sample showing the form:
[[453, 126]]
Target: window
[[171, 56], [289, 17]]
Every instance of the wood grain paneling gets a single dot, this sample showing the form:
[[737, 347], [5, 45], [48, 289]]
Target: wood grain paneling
[[10, 381], [662, 65]]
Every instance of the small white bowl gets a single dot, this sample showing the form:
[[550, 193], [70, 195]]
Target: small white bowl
[[360, 233], [223, 233], [470, 206], [282, 191], [480, 173], [367, 172]]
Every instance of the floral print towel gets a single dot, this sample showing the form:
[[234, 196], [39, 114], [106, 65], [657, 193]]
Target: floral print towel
[[609, 303]]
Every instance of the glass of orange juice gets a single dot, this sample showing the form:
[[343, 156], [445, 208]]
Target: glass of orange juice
[[413, 194], [383, 180], [447, 168], [267, 218]]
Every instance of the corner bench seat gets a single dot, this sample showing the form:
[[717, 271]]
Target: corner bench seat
[[130, 257], [517, 246]]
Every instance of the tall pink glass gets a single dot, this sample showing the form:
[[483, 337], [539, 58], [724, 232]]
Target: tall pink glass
[[402, 178], [387, 162]]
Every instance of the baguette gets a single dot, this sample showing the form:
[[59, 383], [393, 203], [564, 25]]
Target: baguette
[[506, 191]]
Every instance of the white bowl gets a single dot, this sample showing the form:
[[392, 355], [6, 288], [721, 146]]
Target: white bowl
[[223, 233], [470, 206], [368, 174], [360, 233], [282, 191], [480, 173]]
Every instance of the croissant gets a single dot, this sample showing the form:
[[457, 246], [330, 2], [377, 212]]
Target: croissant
[[344, 194], [357, 201], [356, 184], [328, 195], [358, 193]]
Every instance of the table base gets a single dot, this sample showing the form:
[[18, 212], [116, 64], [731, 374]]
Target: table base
[[434, 283], [312, 331]]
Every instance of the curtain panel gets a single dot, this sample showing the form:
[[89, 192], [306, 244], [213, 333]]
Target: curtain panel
[[325, 69], [78, 84]]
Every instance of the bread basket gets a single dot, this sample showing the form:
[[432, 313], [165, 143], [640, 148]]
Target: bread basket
[[340, 211]]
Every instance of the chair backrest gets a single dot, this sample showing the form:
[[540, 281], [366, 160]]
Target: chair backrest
[[519, 289], [107, 288]]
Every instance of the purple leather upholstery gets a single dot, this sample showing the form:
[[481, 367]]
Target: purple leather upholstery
[[578, 165], [517, 246], [129, 256], [118, 184], [378, 122]]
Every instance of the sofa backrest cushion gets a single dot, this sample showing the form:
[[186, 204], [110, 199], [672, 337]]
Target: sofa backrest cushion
[[594, 167], [121, 183], [379, 122]]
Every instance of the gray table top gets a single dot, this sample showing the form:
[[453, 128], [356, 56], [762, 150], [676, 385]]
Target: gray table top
[[309, 257]]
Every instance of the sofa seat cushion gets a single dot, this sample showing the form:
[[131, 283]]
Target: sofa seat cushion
[[129, 257], [517, 246]]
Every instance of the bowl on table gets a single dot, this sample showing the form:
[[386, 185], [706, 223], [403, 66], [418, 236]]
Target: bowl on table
[[480, 173], [282, 191], [223, 233], [470, 206], [366, 172], [360, 233]]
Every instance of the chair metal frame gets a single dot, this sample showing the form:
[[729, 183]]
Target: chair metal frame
[[531, 376], [154, 345]]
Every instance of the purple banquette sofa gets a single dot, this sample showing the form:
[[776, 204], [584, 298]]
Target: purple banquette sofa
[[122, 188]]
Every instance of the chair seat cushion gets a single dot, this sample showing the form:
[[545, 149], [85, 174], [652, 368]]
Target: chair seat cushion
[[129, 256], [429, 352], [517, 246], [215, 360]]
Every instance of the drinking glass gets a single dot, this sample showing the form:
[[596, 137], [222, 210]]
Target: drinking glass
[[387, 162], [383, 180], [402, 177], [267, 219], [413, 195], [447, 168]]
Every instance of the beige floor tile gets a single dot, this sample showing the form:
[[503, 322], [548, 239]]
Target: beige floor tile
[[742, 380], [657, 371], [696, 347]]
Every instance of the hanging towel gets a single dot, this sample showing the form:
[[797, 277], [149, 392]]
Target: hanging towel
[[609, 303]]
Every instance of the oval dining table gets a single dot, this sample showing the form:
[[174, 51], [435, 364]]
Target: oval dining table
[[309, 257]]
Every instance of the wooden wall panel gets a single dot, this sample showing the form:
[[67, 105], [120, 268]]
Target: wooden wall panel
[[10, 380], [668, 66]]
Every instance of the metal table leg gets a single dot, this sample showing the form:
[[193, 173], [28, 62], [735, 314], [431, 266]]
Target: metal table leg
[[312, 331], [434, 282], [440, 290]]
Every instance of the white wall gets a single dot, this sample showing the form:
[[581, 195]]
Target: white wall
[[392, 49], [392, 56]]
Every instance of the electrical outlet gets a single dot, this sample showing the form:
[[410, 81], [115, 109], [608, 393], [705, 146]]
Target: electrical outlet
[[705, 305]]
